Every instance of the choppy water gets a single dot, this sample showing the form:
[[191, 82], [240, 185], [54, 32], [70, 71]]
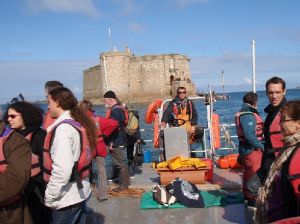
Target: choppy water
[[225, 108]]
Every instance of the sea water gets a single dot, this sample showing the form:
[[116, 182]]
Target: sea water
[[225, 108]]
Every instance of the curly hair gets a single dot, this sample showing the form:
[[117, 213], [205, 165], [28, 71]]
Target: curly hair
[[32, 114], [67, 101]]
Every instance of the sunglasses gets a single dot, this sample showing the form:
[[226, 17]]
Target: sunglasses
[[282, 121], [184, 92], [12, 116]]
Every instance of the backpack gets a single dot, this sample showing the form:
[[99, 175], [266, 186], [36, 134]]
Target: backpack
[[132, 124], [162, 196], [186, 193], [138, 157]]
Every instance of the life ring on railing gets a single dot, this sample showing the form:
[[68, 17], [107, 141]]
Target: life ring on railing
[[216, 130], [156, 131], [151, 110]]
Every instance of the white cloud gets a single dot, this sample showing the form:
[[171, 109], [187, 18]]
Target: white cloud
[[248, 80], [238, 69], [127, 6], [29, 78], [187, 3], [136, 27], [85, 7]]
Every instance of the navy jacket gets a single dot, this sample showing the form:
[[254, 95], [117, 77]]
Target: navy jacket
[[118, 137]]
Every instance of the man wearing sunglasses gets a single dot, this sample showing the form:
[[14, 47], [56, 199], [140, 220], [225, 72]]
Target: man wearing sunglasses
[[181, 112]]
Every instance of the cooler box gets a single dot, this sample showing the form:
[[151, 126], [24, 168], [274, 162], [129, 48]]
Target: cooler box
[[192, 174], [176, 142]]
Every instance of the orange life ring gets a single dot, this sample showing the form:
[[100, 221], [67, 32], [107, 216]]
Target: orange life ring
[[216, 130], [156, 131], [151, 110]]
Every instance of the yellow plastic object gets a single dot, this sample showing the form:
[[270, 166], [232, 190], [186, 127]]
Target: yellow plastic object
[[162, 164], [179, 161], [175, 163]]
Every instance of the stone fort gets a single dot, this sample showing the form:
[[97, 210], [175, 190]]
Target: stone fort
[[137, 79]]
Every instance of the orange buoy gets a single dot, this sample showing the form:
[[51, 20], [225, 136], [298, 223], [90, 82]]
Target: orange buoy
[[232, 160], [216, 130], [223, 162], [229, 161], [156, 131], [151, 110]]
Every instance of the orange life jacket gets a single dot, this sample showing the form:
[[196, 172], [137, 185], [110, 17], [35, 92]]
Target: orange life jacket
[[81, 167], [35, 163], [3, 164], [258, 127], [181, 112], [124, 109], [275, 135]]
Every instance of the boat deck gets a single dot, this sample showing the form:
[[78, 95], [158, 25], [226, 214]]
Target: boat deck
[[127, 209]]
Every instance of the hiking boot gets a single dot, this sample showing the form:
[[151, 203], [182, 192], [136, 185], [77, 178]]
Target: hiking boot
[[101, 199], [120, 188]]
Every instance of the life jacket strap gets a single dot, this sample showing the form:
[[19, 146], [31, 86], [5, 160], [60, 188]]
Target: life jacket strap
[[36, 165], [76, 174], [293, 177]]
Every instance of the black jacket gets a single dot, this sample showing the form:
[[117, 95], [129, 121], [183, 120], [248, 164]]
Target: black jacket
[[118, 137]]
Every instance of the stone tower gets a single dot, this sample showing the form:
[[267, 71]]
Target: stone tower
[[137, 79]]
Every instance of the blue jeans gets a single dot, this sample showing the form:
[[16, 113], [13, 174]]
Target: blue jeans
[[70, 215]]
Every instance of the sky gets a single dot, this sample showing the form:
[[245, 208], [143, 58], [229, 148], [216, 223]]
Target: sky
[[43, 40]]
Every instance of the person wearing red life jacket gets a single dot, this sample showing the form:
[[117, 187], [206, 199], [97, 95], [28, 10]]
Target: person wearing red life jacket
[[276, 90], [249, 128], [279, 197], [15, 164], [50, 85], [69, 145], [117, 141], [104, 128], [26, 119]]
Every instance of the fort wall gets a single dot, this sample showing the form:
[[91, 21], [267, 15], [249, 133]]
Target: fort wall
[[137, 79]]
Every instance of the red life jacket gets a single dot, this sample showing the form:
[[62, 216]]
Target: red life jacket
[[124, 109], [3, 164], [47, 120], [35, 163], [294, 172], [258, 127], [275, 135], [100, 139], [81, 167]]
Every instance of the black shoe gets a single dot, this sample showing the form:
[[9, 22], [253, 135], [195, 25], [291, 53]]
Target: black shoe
[[120, 188], [101, 200]]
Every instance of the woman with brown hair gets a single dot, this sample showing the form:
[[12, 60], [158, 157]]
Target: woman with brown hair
[[104, 128], [69, 145], [279, 197]]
